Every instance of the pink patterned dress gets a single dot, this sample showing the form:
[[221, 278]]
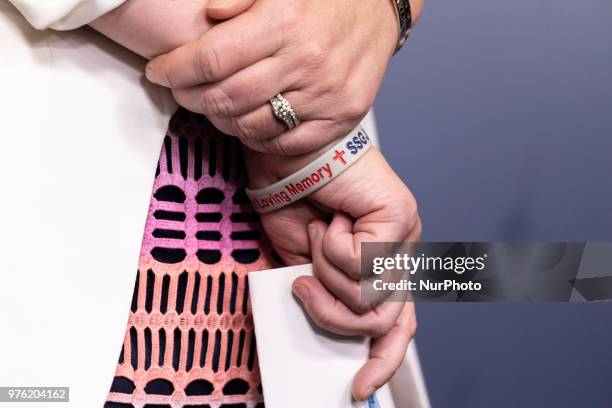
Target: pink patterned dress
[[190, 339]]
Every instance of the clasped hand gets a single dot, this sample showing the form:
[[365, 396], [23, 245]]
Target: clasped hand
[[327, 58]]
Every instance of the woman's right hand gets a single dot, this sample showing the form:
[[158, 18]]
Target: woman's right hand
[[327, 58]]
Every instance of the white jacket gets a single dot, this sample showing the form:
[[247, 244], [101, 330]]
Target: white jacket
[[63, 14], [81, 134]]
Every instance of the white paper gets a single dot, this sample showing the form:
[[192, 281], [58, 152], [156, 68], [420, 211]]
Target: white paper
[[302, 366]]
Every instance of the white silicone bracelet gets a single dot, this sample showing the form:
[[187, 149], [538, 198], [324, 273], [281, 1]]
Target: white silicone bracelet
[[313, 176]]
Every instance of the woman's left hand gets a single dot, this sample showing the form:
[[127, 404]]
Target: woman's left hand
[[366, 203], [327, 58]]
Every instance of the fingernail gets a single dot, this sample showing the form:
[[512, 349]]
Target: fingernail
[[301, 292], [151, 74], [369, 393]]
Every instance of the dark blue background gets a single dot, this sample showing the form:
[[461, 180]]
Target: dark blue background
[[498, 115]]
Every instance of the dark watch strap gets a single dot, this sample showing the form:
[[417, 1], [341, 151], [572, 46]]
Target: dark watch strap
[[405, 20]]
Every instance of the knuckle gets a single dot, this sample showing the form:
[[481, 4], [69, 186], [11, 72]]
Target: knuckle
[[290, 17], [406, 208], [314, 53], [408, 199], [355, 107], [244, 130], [223, 124], [411, 211], [207, 63], [380, 327], [274, 146], [350, 258], [417, 228], [336, 73], [336, 84], [375, 331], [356, 302], [412, 328], [354, 264], [216, 102], [359, 306], [323, 320], [353, 268]]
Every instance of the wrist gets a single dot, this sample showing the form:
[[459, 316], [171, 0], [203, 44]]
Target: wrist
[[267, 195], [154, 27], [266, 169]]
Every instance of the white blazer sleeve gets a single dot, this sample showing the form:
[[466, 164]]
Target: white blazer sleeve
[[63, 14]]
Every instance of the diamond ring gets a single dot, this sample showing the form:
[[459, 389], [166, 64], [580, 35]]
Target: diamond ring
[[284, 112]]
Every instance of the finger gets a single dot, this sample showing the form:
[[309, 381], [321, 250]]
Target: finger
[[347, 290], [224, 9], [252, 128], [386, 355], [222, 51], [286, 230], [263, 132], [240, 93], [344, 237], [339, 238], [308, 136], [330, 314]]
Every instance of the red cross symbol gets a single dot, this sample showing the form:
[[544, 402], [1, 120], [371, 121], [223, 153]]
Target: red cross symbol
[[339, 155]]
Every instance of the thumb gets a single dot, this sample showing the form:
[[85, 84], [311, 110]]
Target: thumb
[[224, 9]]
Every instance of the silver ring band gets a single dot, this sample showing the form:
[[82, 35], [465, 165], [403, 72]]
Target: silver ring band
[[284, 112]]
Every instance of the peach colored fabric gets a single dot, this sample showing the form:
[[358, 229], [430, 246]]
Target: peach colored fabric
[[190, 338]]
